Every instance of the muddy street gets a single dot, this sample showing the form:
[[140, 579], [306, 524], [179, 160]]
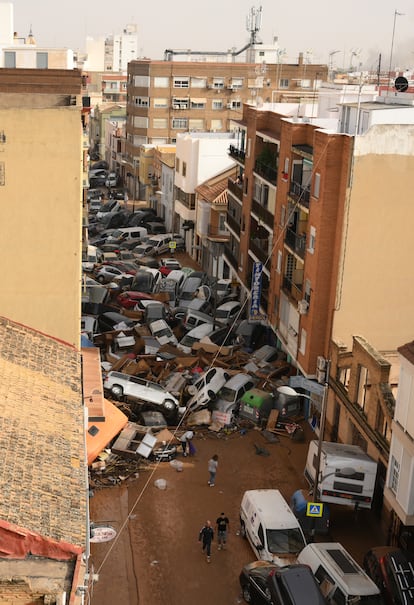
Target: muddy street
[[156, 558]]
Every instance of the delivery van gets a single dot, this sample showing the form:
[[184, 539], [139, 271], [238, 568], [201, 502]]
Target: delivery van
[[340, 578], [346, 474], [270, 526]]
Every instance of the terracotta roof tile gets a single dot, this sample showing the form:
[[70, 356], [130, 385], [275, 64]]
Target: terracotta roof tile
[[42, 467]]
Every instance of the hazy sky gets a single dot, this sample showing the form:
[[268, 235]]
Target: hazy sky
[[363, 27]]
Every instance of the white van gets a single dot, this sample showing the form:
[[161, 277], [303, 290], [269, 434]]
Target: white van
[[92, 257], [341, 579], [159, 243], [127, 234], [270, 526]]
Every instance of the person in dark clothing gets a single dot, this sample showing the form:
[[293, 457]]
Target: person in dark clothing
[[206, 536], [222, 527]]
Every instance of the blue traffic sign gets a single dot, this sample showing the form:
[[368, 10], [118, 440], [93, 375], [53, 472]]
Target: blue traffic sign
[[314, 509]]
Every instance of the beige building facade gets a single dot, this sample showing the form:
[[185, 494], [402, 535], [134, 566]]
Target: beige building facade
[[41, 190]]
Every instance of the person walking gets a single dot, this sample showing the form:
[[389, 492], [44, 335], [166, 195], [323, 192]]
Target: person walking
[[185, 441], [223, 525], [206, 536], [212, 469]]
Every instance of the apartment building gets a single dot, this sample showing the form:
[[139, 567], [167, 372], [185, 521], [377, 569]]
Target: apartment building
[[167, 98], [317, 210], [43, 164]]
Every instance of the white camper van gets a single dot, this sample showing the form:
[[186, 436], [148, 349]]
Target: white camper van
[[340, 578], [270, 526], [346, 474]]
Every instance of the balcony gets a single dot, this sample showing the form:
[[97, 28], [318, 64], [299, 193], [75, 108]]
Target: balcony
[[215, 234], [236, 189], [233, 224], [299, 194], [260, 248], [294, 290], [237, 154], [297, 243], [231, 258], [263, 214], [266, 171]]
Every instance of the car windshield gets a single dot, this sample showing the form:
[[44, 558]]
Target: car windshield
[[188, 341], [221, 314], [117, 233], [284, 541], [227, 394]]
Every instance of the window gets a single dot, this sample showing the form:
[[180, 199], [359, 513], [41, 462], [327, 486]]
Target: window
[[160, 123], [282, 216], [184, 172], [283, 83], [9, 59], [180, 123], [160, 102], [216, 125], [312, 239], [279, 261], [140, 122], [343, 375], [196, 124], [218, 82], [316, 185], [198, 82], [235, 105], [394, 474], [161, 82], [42, 60], [181, 82], [302, 347], [217, 104], [222, 222], [180, 103], [141, 81], [198, 103], [141, 101], [363, 385], [236, 83]]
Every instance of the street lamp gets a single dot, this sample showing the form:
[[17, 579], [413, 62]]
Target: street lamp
[[396, 13]]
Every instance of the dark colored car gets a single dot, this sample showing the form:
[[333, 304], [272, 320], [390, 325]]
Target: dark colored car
[[392, 570], [100, 164], [137, 219], [107, 321], [143, 281], [265, 583]]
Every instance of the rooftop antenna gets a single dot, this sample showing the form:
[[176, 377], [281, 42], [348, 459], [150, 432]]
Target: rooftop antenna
[[253, 23]]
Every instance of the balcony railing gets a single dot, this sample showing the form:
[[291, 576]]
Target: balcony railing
[[296, 242], [233, 224], [236, 189], [295, 290], [231, 258], [260, 248], [300, 194], [266, 171], [237, 154], [263, 214], [215, 233]]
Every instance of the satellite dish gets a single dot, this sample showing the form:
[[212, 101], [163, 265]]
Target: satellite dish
[[401, 84]]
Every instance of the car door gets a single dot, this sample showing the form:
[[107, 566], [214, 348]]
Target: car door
[[259, 591]]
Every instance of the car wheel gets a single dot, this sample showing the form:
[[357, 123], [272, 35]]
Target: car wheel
[[242, 529], [247, 596], [211, 395], [100, 279], [191, 389], [117, 391], [169, 405]]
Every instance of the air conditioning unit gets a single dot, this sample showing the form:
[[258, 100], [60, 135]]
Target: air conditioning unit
[[229, 106], [303, 306], [321, 363], [321, 376], [176, 106]]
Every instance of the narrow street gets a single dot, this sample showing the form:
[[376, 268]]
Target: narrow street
[[156, 558]]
